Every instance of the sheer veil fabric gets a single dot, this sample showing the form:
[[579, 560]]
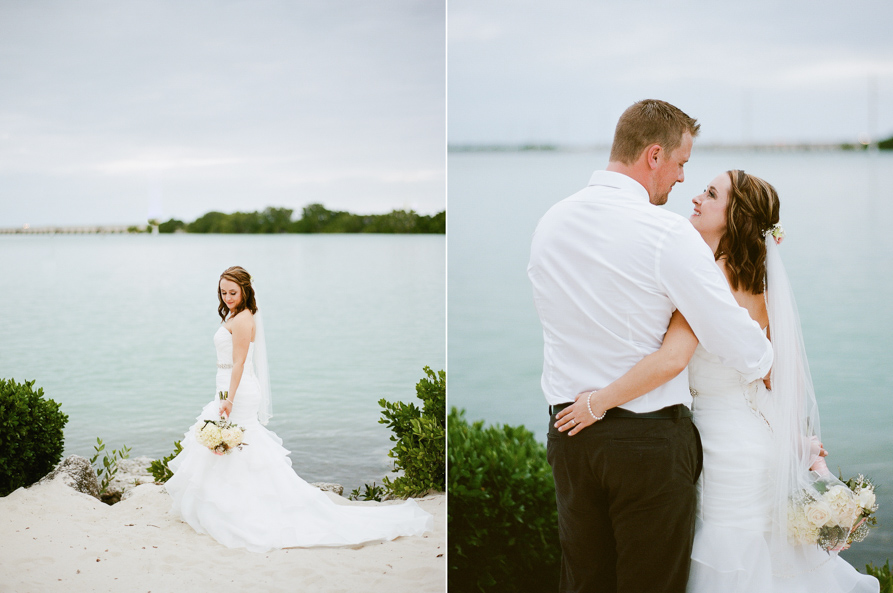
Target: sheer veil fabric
[[262, 370], [793, 416], [758, 448]]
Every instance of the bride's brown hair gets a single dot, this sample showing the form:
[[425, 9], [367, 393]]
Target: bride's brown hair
[[752, 210], [241, 277]]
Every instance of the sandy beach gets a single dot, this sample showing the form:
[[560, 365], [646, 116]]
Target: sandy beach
[[53, 538]]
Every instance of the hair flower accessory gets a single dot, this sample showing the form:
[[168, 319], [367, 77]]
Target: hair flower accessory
[[777, 232]]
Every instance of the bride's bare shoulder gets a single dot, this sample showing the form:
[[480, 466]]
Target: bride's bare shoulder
[[245, 316], [244, 320]]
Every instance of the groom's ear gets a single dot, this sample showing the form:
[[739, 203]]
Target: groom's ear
[[652, 156]]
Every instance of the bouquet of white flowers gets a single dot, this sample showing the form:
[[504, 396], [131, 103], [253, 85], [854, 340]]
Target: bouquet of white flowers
[[220, 436], [835, 515]]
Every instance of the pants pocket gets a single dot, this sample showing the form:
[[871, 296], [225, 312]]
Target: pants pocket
[[640, 443], [699, 462]]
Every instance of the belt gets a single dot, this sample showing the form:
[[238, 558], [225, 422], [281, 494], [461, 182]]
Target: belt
[[670, 412]]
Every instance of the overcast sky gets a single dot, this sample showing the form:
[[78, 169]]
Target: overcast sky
[[112, 112], [757, 71]]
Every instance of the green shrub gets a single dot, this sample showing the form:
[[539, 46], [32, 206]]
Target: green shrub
[[370, 492], [420, 435], [883, 574], [109, 468], [159, 469], [31, 437], [502, 517]]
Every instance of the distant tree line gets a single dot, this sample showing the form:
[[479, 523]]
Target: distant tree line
[[315, 218], [886, 144]]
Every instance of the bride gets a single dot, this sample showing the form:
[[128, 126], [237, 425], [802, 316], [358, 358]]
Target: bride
[[760, 439], [251, 498]]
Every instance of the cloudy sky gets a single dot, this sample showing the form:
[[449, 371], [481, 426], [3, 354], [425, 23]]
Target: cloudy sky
[[757, 71], [112, 112]]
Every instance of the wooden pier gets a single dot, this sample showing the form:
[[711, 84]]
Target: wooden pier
[[78, 230]]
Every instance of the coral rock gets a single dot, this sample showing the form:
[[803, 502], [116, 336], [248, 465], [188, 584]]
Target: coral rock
[[131, 473], [327, 486], [77, 473]]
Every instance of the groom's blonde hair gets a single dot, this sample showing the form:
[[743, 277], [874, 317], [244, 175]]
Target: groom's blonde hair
[[648, 122]]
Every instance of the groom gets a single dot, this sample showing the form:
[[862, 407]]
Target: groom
[[608, 269]]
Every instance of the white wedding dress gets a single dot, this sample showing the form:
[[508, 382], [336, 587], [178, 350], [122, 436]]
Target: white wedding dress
[[252, 498], [731, 551]]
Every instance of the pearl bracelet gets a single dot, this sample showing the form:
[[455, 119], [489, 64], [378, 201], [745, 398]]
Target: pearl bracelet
[[589, 405]]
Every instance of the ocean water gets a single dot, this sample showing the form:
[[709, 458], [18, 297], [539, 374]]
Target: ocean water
[[837, 209], [118, 329]]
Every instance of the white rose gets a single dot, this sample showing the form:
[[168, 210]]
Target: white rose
[[867, 499], [818, 513], [799, 528]]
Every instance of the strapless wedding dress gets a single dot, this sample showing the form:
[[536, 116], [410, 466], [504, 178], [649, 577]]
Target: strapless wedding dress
[[252, 498], [731, 546]]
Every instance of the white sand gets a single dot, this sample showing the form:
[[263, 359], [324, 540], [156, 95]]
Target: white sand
[[55, 539]]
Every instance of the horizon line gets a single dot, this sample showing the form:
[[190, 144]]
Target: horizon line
[[575, 147]]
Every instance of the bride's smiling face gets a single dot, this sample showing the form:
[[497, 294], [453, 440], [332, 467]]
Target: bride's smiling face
[[231, 293], [709, 217]]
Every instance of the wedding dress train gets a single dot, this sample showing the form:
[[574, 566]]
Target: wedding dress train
[[731, 551], [252, 498]]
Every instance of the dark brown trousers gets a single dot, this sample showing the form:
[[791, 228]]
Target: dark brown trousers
[[626, 495]]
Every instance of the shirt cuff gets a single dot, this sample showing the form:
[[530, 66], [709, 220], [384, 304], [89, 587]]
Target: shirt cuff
[[763, 367]]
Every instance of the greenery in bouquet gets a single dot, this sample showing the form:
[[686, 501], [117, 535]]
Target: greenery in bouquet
[[220, 436], [863, 489], [833, 515]]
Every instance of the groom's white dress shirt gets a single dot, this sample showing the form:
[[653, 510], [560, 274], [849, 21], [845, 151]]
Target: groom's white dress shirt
[[608, 269]]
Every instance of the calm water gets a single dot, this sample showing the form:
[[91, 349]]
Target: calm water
[[118, 329], [837, 209]]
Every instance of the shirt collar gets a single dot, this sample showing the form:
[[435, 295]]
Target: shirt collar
[[619, 181]]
